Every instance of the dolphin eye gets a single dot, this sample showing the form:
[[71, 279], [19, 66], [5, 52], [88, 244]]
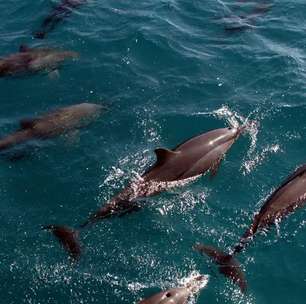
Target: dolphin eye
[[168, 294]]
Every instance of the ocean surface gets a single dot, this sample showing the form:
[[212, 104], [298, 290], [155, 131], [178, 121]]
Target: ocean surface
[[167, 70]]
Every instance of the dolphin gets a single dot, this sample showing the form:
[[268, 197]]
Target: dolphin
[[178, 295], [248, 21], [59, 12], [289, 196], [172, 168], [52, 124], [34, 60]]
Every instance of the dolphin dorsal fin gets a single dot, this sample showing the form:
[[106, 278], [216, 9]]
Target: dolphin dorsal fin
[[24, 48], [27, 123], [163, 155]]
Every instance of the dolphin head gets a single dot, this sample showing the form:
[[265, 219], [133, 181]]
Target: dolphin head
[[170, 296], [178, 295], [48, 58], [196, 282]]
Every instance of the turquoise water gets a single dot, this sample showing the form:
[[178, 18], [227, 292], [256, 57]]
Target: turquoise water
[[167, 70]]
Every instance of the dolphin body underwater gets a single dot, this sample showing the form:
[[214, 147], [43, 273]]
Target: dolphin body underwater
[[290, 195], [248, 21], [179, 295], [52, 124], [173, 168], [59, 12], [34, 60]]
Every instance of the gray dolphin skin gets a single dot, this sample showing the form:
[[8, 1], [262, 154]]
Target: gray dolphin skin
[[289, 196], [59, 12], [34, 60], [52, 124], [173, 168], [177, 295]]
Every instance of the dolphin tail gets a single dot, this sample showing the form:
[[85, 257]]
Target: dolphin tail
[[247, 236], [119, 209], [14, 139], [69, 238], [228, 265]]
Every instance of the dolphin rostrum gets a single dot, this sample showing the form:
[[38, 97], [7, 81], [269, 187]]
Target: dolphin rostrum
[[52, 124], [34, 60], [178, 295], [59, 12], [173, 168], [290, 195]]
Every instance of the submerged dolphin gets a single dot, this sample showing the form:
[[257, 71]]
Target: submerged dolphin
[[52, 124], [59, 12], [247, 21], [33, 60], [178, 295], [173, 168], [290, 195]]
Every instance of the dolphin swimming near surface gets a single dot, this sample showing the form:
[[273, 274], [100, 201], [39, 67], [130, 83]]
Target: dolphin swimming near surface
[[290, 195], [52, 124], [34, 60], [59, 12], [178, 295], [248, 21], [173, 168]]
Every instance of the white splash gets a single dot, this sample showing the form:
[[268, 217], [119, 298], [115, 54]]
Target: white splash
[[151, 128], [195, 281], [232, 118], [277, 225], [254, 160]]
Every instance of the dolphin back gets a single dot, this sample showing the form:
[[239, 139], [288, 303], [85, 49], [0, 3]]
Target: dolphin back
[[193, 157], [62, 120], [61, 11], [290, 195]]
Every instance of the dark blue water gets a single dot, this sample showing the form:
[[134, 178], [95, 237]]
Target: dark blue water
[[167, 70]]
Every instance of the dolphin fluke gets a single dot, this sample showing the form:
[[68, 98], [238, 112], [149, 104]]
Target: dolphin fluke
[[68, 237], [119, 209], [228, 265]]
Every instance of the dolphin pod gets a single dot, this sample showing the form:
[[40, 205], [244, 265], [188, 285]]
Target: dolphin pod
[[59, 12], [173, 168], [289, 196], [178, 295], [52, 124], [34, 60]]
